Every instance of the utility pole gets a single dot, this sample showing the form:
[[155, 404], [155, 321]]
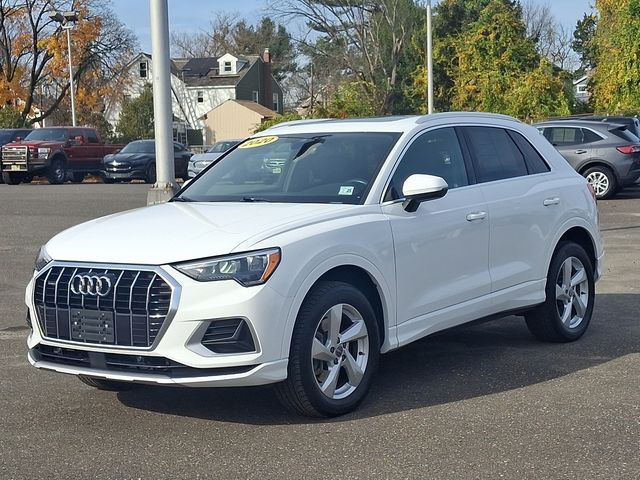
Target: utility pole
[[429, 61], [165, 186], [67, 20]]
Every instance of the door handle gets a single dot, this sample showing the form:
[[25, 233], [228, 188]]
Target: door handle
[[580, 151], [551, 201], [476, 216]]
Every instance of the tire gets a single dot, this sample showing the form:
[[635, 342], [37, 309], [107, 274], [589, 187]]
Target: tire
[[603, 181], [107, 385], [567, 310], [151, 174], [57, 173], [350, 364], [77, 177], [108, 180], [11, 178], [28, 178]]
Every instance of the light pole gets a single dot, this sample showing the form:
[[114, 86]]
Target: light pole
[[429, 61], [67, 20]]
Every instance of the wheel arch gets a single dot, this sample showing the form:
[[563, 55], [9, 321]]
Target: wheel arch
[[364, 276], [598, 163], [581, 236]]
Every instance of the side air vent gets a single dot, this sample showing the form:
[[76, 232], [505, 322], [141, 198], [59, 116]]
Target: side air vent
[[231, 335]]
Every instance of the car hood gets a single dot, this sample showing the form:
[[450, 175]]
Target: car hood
[[205, 157], [35, 143], [127, 157], [174, 232]]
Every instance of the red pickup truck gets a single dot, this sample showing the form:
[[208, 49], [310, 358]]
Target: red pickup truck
[[59, 153]]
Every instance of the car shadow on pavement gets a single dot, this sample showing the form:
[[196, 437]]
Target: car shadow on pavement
[[462, 363]]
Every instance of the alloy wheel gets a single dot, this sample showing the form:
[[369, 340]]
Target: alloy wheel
[[600, 182], [340, 351], [572, 292]]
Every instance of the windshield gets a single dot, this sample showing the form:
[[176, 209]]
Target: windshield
[[220, 147], [310, 168], [139, 147], [53, 134], [6, 136]]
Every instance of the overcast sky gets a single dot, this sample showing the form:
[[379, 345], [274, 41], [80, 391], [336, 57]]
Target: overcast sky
[[193, 15]]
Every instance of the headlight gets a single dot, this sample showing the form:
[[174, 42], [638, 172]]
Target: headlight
[[252, 268], [43, 152], [42, 259]]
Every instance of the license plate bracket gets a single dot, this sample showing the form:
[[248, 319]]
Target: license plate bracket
[[92, 326]]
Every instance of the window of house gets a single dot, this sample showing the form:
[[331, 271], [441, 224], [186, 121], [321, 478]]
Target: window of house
[[227, 67], [255, 96], [143, 69], [200, 96], [276, 102], [582, 88], [496, 155]]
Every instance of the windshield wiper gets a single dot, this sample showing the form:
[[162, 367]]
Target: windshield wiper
[[182, 198], [254, 199]]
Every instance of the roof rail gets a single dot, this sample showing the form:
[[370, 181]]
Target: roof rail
[[426, 118], [298, 122]]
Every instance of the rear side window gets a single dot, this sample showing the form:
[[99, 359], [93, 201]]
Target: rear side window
[[535, 162], [496, 155], [92, 137], [590, 136]]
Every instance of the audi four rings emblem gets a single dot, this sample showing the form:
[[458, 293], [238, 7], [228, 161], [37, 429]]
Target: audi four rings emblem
[[94, 285]]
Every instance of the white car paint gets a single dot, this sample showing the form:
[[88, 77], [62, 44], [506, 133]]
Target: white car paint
[[434, 268]]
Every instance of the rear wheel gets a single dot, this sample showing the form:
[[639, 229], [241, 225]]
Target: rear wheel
[[28, 178], [570, 294], [334, 352], [57, 172], [603, 181], [104, 384], [11, 178]]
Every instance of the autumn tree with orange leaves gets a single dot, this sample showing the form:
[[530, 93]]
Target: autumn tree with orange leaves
[[34, 75]]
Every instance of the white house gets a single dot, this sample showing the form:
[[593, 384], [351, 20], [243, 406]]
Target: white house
[[581, 89], [198, 85]]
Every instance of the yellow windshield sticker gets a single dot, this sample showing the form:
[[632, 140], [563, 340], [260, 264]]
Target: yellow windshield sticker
[[259, 142]]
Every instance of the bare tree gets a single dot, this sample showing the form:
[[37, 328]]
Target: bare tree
[[553, 40], [213, 42], [369, 38]]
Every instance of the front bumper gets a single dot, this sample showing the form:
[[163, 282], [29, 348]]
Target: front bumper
[[129, 175], [198, 303]]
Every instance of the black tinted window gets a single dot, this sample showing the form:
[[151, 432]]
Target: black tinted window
[[92, 137], [433, 153], [496, 155], [559, 136], [535, 162], [589, 136]]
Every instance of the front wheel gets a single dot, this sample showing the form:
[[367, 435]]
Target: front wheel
[[570, 294], [11, 178], [603, 181], [334, 352]]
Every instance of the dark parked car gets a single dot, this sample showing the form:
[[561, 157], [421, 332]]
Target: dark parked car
[[137, 160], [606, 154], [8, 135], [632, 123]]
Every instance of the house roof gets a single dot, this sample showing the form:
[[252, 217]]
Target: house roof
[[256, 107]]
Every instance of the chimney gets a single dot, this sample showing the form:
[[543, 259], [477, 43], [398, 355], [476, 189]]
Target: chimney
[[267, 86]]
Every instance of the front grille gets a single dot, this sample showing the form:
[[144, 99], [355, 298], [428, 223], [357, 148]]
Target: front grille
[[15, 155], [135, 307], [117, 362], [118, 168]]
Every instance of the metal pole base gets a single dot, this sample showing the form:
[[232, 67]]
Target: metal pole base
[[161, 193]]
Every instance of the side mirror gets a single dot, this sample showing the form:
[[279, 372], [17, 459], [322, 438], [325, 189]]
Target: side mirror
[[420, 188]]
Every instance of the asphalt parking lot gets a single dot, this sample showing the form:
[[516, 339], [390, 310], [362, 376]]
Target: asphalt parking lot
[[484, 401]]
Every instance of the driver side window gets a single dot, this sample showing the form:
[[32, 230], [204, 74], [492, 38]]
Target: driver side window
[[436, 153]]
